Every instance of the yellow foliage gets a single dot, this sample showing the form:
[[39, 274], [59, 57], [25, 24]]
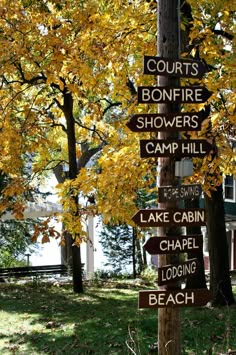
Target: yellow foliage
[[71, 64]]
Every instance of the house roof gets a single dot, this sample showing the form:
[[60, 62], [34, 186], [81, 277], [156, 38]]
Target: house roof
[[35, 210], [230, 221]]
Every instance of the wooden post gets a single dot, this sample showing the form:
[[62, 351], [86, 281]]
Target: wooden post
[[168, 12], [134, 237]]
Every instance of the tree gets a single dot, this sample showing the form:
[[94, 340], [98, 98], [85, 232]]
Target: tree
[[69, 73], [64, 67], [123, 248], [212, 41], [15, 241], [198, 280], [117, 246], [218, 250], [15, 235]]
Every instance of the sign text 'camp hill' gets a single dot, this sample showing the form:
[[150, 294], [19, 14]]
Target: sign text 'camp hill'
[[154, 148], [181, 217]]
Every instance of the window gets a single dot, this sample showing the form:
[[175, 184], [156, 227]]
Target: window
[[229, 188]]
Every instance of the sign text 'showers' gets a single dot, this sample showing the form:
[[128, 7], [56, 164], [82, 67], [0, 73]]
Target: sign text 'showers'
[[181, 121]]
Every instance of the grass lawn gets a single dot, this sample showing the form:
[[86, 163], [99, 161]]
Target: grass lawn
[[41, 318]]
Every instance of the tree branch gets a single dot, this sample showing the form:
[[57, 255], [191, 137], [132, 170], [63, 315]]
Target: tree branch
[[34, 80], [223, 34], [54, 124], [87, 154], [111, 104], [94, 130]]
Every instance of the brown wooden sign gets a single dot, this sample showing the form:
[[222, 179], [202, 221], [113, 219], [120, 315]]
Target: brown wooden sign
[[172, 245], [177, 298], [172, 273], [178, 68], [183, 121], [175, 193], [181, 217], [166, 94], [154, 148]]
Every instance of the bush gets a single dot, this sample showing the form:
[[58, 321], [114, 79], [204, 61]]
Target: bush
[[9, 260], [101, 274], [149, 274]]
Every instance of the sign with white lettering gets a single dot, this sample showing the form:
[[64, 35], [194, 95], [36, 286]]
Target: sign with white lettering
[[175, 193], [181, 217], [165, 94], [149, 122], [178, 298], [154, 148], [171, 273], [185, 68], [172, 244]]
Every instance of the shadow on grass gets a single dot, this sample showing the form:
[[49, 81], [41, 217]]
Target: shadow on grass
[[100, 321]]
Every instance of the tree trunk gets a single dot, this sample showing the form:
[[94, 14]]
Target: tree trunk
[[68, 254], [139, 256], [220, 283], [144, 253], [134, 235], [71, 142], [66, 250], [198, 280]]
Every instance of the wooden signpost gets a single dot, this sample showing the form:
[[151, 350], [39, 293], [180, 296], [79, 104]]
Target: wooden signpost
[[169, 67], [169, 95], [182, 121], [164, 94], [176, 193], [154, 148], [172, 245], [181, 217], [171, 273], [178, 298]]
